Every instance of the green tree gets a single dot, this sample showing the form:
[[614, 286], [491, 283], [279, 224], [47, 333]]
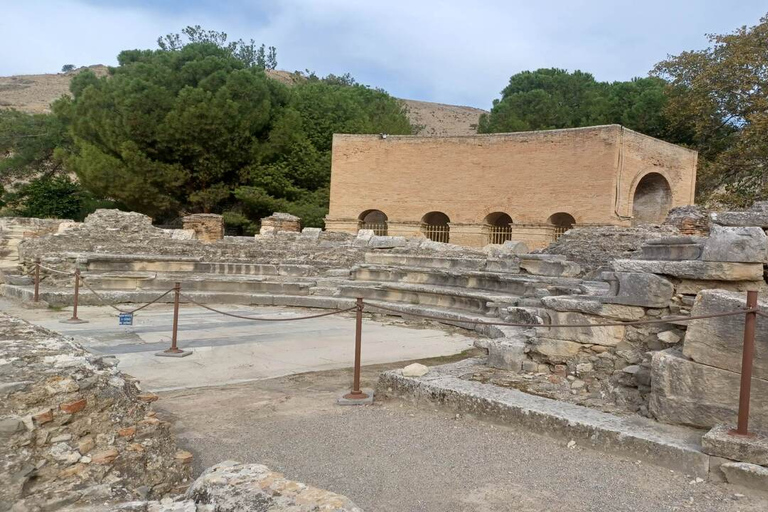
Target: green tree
[[57, 197], [66, 68], [29, 144], [720, 92]]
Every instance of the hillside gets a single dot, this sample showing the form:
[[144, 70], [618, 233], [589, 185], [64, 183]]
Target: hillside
[[34, 94]]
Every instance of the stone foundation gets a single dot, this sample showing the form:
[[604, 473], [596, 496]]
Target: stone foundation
[[207, 227]]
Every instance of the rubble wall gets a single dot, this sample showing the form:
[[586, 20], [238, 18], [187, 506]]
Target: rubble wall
[[74, 429]]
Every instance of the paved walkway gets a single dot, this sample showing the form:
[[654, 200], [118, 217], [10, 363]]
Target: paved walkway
[[228, 350], [396, 457]]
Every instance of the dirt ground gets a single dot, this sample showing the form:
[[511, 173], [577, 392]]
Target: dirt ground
[[394, 456]]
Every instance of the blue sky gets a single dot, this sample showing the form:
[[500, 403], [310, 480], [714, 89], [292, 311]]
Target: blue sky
[[448, 51]]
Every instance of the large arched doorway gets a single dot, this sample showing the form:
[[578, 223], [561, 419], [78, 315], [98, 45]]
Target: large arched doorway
[[652, 200], [562, 222], [498, 226], [375, 220], [435, 226]]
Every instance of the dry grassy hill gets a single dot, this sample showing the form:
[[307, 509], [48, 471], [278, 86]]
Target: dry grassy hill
[[34, 94]]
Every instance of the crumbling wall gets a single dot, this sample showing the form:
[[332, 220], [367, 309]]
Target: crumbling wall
[[14, 229], [74, 429]]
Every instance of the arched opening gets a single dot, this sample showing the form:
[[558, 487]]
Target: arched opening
[[652, 200], [562, 222], [375, 220], [435, 226], [498, 226]]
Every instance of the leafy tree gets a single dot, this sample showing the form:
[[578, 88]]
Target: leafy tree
[[195, 126], [66, 68], [51, 197], [721, 93], [29, 144], [248, 53]]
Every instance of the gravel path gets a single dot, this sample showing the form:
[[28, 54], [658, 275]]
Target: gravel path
[[397, 457]]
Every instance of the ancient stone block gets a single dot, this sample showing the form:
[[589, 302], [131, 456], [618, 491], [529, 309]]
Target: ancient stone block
[[593, 307], [688, 393], [746, 475], [387, 242], [689, 220], [707, 270], [671, 251], [549, 265], [757, 216], [311, 233], [280, 222], [736, 244], [208, 227], [718, 341], [506, 354], [556, 351], [607, 336], [637, 289]]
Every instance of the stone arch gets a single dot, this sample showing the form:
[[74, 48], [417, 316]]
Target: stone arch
[[651, 200], [562, 222], [436, 226], [376, 220], [497, 227]]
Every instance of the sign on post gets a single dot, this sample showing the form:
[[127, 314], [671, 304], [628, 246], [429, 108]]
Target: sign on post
[[126, 318]]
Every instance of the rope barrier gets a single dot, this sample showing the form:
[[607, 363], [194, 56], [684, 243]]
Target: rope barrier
[[104, 301], [57, 271], [605, 324], [233, 315]]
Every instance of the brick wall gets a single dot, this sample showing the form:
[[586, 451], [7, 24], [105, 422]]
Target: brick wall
[[589, 173]]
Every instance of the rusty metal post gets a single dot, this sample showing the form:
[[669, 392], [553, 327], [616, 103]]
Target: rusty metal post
[[747, 356], [357, 393], [75, 302], [176, 292], [37, 281]]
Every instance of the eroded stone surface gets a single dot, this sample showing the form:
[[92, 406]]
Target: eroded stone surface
[[692, 269], [720, 442]]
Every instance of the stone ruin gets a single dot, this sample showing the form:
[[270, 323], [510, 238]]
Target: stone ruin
[[679, 372], [76, 433]]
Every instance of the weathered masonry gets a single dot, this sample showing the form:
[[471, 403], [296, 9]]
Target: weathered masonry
[[529, 186]]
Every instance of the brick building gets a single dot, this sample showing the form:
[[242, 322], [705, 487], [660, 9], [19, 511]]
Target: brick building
[[529, 186]]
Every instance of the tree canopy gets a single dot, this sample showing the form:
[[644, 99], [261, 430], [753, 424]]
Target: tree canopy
[[196, 127]]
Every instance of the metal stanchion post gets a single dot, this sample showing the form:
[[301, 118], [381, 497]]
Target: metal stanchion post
[[747, 357], [75, 319], [37, 281], [175, 351], [357, 396]]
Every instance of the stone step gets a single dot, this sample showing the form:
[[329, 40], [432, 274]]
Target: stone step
[[198, 267], [440, 262], [203, 283], [518, 285]]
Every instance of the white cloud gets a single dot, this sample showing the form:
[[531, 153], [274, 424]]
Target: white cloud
[[448, 51]]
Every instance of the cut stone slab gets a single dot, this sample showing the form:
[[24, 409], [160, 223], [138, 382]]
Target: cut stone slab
[[684, 392], [736, 244], [750, 476], [593, 307], [606, 336], [753, 217], [556, 351], [387, 242], [718, 341], [506, 353], [637, 289], [544, 267], [639, 438], [183, 353], [672, 250], [694, 286], [721, 443], [707, 270]]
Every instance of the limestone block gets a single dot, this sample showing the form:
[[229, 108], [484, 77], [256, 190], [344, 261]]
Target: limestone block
[[279, 222], [311, 233], [233, 486], [720, 443], [363, 237], [593, 307], [556, 351], [549, 267], [755, 216], [672, 248], [694, 286], [387, 242], [688, 393], [525, 315], [606, 336], [746, 475], [708, 270], [208, 227], [637, 289], [508, 248], [736, 244], [506, 354], [718, 341]]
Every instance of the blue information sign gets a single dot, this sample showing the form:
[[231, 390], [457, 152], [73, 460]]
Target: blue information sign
[[126, 318]]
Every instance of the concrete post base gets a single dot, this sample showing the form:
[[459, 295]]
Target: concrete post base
[[183, 353], [73, 321], [368, 400]]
